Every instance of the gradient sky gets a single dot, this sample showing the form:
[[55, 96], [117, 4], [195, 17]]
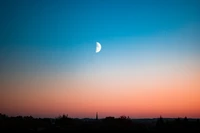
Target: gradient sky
[[149, 64]]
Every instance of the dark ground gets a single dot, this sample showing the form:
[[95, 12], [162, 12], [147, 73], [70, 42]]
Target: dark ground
[[123, 123]]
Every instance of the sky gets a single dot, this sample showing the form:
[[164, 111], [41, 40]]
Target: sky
[[149, 64]]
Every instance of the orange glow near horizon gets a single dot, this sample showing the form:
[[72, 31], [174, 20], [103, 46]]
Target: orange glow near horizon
[[173, 96]]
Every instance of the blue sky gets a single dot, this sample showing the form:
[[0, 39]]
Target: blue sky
[[41, 35]]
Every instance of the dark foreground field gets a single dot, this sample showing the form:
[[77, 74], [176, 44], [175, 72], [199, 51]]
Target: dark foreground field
[[123, 123]]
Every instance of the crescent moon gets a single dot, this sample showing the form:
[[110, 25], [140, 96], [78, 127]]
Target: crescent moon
[[98, 47]]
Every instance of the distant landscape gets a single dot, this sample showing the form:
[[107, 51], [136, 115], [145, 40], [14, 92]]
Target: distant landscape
[[65, 123]]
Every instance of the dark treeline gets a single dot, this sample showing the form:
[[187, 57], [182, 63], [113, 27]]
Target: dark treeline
[[123, 123]]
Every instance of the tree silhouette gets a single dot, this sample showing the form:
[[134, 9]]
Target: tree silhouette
[[123, 123]]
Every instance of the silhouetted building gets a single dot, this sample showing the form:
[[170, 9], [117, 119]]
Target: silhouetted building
[[96, 115]]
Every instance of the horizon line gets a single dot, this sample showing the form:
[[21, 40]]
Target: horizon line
[[67, 116]]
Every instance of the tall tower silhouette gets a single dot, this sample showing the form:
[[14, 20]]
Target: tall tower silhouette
[[96, 115]]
